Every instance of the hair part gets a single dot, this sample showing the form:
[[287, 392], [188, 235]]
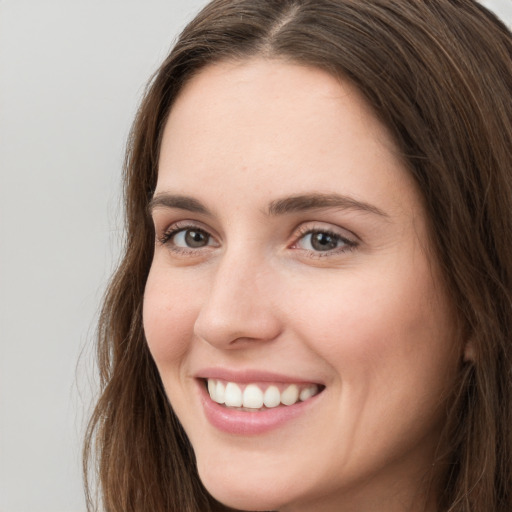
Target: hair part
[[438, 74]]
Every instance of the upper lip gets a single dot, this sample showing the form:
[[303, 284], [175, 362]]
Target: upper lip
[[251, 375]]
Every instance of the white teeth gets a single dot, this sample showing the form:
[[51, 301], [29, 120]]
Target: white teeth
[[252, 397], [290, 395], [220, 392], [233, 395], [272, 397], [212, 384], [308, 392]]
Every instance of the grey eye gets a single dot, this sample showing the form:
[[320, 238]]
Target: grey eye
[[191, 238], [321, 241]]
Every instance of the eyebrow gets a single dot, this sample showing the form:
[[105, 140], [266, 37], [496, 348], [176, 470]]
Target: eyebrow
[[180, 202], [308, 202], [283, 206]]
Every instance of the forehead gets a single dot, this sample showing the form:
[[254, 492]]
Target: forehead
[[267, 126]]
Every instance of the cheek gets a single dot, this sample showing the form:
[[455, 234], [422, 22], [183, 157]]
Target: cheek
[[393, 354], [168, 319], [377, 328]]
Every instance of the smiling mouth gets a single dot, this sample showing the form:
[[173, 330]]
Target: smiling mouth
[[258, 397]]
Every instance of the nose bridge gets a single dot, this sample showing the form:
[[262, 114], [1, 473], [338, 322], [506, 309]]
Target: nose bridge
[[239, 303]]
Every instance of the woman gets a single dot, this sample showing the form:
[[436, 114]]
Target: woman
[[314, 307]]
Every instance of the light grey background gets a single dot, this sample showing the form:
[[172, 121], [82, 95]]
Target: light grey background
[[71, 75]]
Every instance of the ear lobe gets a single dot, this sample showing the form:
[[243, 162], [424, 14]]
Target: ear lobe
[[469, 354]]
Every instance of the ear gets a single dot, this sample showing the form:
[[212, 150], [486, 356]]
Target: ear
[[469, 354]]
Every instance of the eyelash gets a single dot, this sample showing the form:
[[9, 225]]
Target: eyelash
[[348, 244], [302, 232], [171, 232]]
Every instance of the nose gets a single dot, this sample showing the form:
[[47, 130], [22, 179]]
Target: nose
[[240, 305]]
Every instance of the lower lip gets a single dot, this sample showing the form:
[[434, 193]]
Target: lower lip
[[242, 423]]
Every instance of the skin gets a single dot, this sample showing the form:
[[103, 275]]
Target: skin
[[370, 319]]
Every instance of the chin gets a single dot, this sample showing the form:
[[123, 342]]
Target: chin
[[247, 494]]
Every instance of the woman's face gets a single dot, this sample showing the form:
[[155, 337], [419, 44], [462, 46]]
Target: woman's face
[[292, 266]]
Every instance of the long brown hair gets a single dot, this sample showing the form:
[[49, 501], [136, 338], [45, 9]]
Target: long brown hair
[[438, 73]]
